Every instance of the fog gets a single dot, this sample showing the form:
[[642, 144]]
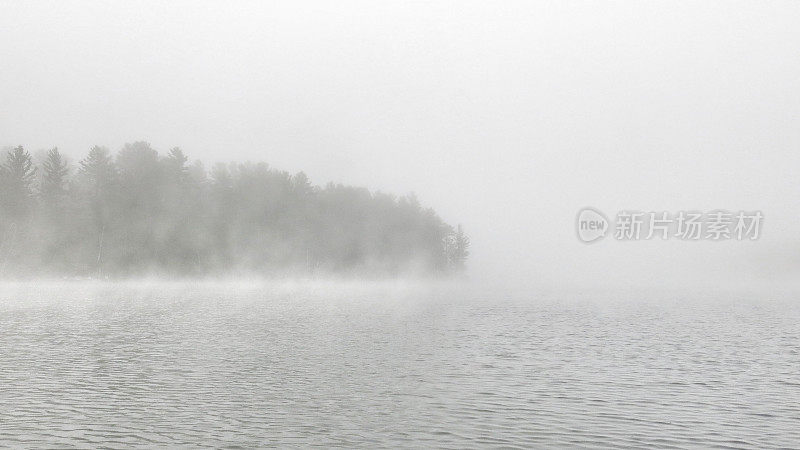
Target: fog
[[507, 118]]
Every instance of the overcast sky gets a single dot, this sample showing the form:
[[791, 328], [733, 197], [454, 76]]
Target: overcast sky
[[507, 117]]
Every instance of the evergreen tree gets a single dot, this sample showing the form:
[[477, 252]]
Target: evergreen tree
[[97, 171], [140, 214], [461, 248], [456, 249], [175, 164], [17, 175], [98, 176], [58, 237], [54, 179]]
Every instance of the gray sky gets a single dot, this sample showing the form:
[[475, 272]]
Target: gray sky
[[505, 116]]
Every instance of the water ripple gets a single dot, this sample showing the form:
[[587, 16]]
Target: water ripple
[[120, 367]]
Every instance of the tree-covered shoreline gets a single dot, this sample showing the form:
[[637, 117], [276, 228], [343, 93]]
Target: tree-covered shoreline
[[138, 213]]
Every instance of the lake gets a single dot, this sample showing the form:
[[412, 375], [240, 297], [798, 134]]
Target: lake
[[395, 365]]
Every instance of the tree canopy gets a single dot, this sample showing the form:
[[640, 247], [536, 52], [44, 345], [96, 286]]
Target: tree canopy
[[139, 213]]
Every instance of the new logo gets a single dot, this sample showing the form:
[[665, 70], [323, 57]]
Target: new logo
[[591, 225]]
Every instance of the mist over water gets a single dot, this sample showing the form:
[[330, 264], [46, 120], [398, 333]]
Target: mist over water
[[394, 364], [378, 247], [138, 213], [507, 119]]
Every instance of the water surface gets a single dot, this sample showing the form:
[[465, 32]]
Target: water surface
[[388, 365]]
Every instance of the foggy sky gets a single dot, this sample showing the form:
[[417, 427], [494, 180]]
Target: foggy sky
[[506, 117]]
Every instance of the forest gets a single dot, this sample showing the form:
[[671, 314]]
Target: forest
[[138, 213]]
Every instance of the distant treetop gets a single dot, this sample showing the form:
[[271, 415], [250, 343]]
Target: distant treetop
[[139, 213]]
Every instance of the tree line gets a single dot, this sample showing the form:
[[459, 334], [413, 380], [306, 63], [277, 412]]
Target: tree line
[[139, 213]]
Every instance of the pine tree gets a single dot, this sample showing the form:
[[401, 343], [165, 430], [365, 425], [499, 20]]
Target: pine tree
[[462, 248], [17, 175], [456, 249], [176, 166], [54, 180], [140, 212], [98, 175], [97, 170]]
